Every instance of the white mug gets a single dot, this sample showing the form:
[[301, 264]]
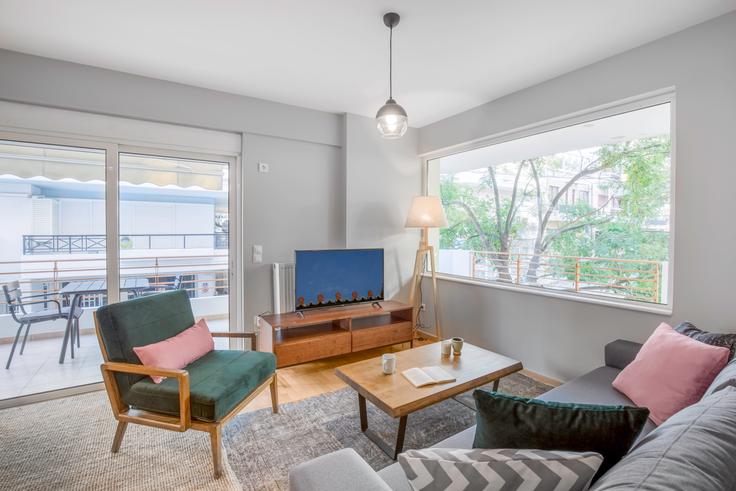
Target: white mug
[[388, 362], [446, 347]]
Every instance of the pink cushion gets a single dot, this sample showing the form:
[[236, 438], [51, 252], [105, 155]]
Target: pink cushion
[[179, 351], [671, 371]]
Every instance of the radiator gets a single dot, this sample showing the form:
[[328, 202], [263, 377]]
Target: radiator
[[283, 287]]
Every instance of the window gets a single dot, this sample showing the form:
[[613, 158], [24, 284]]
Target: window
[[503, 229]]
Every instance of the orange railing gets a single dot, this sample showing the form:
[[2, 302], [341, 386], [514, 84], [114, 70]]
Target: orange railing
[[631, 279], [46, 277]]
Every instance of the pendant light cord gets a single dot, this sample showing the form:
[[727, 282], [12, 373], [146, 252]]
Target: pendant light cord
[[391, 64]]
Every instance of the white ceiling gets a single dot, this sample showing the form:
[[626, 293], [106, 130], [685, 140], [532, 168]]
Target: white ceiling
[[333, 54]]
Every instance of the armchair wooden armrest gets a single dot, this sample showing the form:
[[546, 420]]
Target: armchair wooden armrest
[[182, 377], [227, 334]]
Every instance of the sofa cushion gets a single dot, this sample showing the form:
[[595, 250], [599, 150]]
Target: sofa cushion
[[506, 421], [725, 378], [670, 372], [218, 382], [694, 450], [438, 469], [138, 322], [341, 470], [712, 338]]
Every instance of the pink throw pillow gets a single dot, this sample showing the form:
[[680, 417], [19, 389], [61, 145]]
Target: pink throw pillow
[[178, 351], [671, 372]]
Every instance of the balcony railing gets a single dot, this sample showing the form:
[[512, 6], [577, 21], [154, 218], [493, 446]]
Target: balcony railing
[[86, 244], [630, 279], [199, 275]]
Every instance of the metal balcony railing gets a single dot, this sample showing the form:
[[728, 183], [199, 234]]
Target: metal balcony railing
[[199, 275], [630, 279], [85, 243]]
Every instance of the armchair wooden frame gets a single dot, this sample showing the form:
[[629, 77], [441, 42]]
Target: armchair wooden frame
[[124, 414]]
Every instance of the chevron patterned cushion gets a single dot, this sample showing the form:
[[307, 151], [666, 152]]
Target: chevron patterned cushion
[[436, 469]]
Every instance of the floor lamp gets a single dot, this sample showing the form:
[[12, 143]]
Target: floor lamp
[[426, 212]]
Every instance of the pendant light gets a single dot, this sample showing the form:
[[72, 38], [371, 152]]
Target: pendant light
[[391, 119]]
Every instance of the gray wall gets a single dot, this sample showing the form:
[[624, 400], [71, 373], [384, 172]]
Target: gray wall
[[298, 204], [563, 338], [381, 177]]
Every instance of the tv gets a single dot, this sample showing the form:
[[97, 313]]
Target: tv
[[338, 277]]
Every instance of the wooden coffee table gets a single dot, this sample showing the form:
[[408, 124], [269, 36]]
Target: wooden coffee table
[[397, 397]]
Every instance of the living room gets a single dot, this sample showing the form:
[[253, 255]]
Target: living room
[[521, 195]]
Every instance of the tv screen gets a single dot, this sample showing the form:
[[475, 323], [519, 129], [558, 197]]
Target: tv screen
[[338, 277]]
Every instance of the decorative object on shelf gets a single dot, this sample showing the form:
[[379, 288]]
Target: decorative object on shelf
[[457, 346], [391, 119], [426, 212], [388, 363]]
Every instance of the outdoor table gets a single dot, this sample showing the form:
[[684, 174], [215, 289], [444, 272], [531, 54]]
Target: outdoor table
[[77, 289]]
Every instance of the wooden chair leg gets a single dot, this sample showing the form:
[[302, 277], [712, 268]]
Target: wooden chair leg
[[119, 434], [275, 394], [25, 337], [216, 441]]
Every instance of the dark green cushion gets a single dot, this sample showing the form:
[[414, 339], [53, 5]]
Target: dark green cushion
[[218, 382], [506, 421], [139, 322]]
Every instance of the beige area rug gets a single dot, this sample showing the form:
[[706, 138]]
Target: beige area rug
[[65, 444]]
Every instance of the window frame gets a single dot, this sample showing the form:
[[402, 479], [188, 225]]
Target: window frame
[[663, 96]]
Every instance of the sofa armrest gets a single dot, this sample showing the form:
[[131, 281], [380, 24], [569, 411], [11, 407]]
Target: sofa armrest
[[336, 471], [620, 353]]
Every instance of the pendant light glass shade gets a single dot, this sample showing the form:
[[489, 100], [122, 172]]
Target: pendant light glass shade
[[391, 120]]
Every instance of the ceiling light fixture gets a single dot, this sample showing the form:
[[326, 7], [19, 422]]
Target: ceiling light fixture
[[391, 119]]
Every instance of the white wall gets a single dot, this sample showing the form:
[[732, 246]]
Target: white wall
[[381, 177], [298, 204], [563, 338]]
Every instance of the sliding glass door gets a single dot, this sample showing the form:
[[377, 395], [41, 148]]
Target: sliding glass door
[[86, 226], [52, 200], [175, 231]]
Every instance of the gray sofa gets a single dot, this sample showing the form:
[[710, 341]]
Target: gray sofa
[[345, 469]]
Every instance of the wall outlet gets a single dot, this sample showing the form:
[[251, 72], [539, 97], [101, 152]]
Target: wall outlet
[[263, 167], [256, 321], [423, 307]]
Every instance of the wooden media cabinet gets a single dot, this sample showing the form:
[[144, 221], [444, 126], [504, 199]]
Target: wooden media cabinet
[[321, 333]]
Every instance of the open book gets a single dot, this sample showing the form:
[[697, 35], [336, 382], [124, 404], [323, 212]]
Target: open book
[[427, 376]]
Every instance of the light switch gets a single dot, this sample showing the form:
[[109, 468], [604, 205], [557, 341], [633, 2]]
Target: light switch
[[257, 254], [263, 167]]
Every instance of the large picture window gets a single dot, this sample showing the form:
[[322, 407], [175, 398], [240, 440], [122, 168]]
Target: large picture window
[[583, 209]]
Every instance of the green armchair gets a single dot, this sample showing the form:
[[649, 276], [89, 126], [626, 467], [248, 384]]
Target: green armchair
[[203, 396]]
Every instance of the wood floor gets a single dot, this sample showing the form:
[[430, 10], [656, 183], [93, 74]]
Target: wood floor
[[318, 377]]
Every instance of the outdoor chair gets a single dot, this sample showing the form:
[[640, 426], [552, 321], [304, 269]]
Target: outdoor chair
[[17, 304], [203, 396]]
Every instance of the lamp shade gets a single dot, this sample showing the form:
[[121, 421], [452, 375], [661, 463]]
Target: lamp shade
[[426, 211]]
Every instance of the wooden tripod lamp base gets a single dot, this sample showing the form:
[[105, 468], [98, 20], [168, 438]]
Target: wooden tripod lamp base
[[426, 212]]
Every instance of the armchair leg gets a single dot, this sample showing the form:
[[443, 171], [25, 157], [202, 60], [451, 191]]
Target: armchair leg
[[25, 336], [216, 441], [275, 394], [12, 350], [119, 434]]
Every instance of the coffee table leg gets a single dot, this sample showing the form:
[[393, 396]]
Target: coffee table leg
[[495, 385], [375, 438], [363, 413], [400, 436]]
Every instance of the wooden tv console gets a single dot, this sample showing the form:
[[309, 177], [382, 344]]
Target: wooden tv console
[[331, 331]]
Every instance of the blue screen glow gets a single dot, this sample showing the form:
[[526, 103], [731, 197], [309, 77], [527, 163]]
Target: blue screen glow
[[337, 277]]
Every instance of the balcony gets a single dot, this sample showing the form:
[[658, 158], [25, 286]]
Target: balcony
[[627, 279], [91, 244]]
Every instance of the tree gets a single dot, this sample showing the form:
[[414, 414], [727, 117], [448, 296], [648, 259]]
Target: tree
[[635, 173]]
